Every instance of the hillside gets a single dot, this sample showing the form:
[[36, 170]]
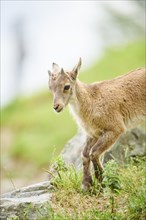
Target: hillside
[[33, 134]]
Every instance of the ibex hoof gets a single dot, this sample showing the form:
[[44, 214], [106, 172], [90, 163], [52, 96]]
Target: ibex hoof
[[86, 187], [87, 184]]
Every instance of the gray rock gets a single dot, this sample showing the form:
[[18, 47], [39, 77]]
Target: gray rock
[[131, 144], [25, 203], [71, 153]]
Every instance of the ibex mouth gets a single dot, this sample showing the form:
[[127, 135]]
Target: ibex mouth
[[59, 109]]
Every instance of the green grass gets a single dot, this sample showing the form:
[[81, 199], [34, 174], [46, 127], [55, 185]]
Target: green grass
[[38, 134], [111, 201], [122, 196]]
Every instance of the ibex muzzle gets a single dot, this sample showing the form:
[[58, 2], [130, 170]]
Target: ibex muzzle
[[58, 105]]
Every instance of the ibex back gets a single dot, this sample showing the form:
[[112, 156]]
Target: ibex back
[[104, 110]]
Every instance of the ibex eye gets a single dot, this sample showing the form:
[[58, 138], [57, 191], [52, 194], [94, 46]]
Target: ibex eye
[[66, 87]]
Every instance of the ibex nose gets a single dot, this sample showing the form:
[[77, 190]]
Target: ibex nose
[[58, 107]]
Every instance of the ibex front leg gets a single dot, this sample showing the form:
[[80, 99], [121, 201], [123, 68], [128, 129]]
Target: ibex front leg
[[87, 179], [104, 142]]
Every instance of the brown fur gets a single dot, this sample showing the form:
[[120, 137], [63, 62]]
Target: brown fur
[[104, 110]]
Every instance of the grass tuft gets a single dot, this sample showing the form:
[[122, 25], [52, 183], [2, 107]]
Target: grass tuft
[[122, 197]]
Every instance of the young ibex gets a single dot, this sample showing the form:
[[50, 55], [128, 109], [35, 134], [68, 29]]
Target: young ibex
[[103, 109]]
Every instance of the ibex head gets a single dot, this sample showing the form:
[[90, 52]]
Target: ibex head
[[62, 83]]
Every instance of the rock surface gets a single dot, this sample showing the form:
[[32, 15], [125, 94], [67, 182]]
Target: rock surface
[[25, 203], [32, 202]]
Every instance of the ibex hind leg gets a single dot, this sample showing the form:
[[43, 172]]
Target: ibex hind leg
[[104, 143], [98, 169]]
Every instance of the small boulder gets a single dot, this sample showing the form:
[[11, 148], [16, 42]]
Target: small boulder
[[30, 202]]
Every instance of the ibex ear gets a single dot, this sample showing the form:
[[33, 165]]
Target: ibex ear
[[62, 71], [55, 67], [76, 69], [49, 73]]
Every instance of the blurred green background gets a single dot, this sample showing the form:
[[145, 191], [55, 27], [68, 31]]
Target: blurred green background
[[33, 135]]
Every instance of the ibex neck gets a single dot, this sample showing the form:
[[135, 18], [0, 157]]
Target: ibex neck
[[80, 94]]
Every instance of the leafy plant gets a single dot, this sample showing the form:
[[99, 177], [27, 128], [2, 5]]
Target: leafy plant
[[111, 179], [111, 182]]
